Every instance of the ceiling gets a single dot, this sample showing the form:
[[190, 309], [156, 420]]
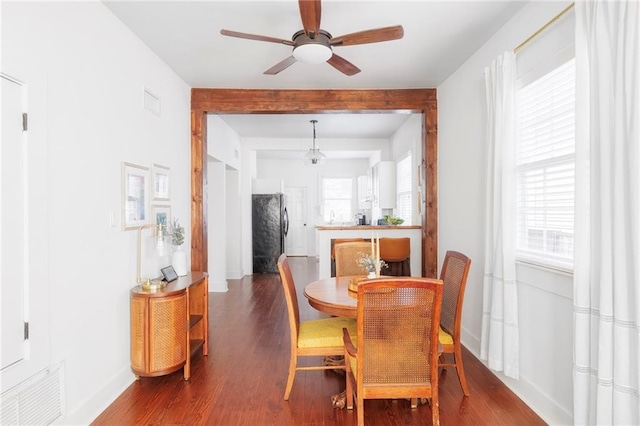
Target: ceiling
[[438, 37]]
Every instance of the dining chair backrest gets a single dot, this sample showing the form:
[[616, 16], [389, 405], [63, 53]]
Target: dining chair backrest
[[335, 242], [338, 241], [398, 330], [455, 270], [290, 294], [395, 249], [396, 253], [396, 355], [347, 255]]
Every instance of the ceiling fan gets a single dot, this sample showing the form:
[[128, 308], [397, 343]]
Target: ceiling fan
[[313, 45]]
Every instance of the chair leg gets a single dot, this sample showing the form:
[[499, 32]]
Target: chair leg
[[442, 360], [460, 370], [349, 388], [435, 409], [292, 374], [360, 409]]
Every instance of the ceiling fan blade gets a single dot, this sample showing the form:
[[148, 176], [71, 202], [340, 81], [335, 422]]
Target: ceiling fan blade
[[343, 65], [369, 36], [280, 66], [256, 37], [310, 12]]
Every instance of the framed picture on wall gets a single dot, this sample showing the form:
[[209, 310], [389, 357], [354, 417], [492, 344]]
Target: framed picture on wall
[[135, 196], [162, 215], [161, 181]]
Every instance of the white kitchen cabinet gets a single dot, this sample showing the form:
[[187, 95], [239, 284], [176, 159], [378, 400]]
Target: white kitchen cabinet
[[384, 184], [364, 192]]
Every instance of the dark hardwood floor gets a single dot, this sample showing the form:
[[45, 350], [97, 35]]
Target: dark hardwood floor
[[242, 380]]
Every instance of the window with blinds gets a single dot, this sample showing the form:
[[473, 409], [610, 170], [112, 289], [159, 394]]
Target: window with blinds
[[545, 168], [403, 184]]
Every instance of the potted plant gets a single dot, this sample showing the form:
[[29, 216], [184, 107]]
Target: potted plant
[[176, 231], [393, 220]]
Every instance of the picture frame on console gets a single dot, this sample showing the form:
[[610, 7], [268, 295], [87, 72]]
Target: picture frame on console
[[161, 182], [135, 196]]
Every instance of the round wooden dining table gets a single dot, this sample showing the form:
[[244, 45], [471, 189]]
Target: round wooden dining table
[[332, 296]]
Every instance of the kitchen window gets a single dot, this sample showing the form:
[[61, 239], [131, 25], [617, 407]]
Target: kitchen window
[[337, 200]]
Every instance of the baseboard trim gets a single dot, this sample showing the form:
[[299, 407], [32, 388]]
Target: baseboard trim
[[93, 406]]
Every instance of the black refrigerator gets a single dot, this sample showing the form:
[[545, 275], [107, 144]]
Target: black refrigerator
[[270, 223]]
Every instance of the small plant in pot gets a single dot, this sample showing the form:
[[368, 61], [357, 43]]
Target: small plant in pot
[[368, 263], [393, 220]]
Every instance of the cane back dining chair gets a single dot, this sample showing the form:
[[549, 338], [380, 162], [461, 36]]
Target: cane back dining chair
[[334, 243], [347, 255], [455, 270], [313, 338], [396, 355]]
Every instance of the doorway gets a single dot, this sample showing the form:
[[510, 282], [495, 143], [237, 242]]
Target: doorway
[[13, 227], [273, 101]]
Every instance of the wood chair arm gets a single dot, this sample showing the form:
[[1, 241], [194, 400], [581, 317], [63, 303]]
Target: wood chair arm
[[348, 345]]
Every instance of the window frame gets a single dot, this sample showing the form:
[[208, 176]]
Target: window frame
[[326, 211], [545, 165]]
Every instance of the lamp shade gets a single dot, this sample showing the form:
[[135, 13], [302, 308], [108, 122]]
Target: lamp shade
[[314, 157], [312, 53]]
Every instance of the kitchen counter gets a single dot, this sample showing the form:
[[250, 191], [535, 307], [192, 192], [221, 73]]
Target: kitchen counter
[[363, 227], [325, 234]]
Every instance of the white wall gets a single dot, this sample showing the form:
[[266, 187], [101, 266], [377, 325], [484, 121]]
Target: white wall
[[225, 243], [233, 223], [545, 306], [88, 118], [223, 143], [217, 232], [408, 138]]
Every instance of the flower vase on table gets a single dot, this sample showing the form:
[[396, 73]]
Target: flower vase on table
[[371, 266]]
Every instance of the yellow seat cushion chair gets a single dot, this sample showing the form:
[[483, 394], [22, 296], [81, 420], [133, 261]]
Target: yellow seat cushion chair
[[313, 338]]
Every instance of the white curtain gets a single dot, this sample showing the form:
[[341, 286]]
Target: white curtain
[[607, 228], [499, 344]]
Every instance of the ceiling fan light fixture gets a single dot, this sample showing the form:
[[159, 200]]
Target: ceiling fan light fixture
[[314, 157], [312, 53]]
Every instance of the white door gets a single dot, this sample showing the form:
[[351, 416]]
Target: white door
[[24, 282], [296, 240], [12, 227]]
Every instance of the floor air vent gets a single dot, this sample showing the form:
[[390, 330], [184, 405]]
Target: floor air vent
[[36, 401]]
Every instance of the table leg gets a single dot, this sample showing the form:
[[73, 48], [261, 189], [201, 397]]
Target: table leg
[[339, 400]]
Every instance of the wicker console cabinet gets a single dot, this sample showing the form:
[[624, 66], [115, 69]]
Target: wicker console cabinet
[[169, 326]]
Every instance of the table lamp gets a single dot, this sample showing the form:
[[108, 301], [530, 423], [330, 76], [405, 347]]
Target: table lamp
[[160, 246]]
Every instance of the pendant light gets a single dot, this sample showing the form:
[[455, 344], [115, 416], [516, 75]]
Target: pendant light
[[314, 157]]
